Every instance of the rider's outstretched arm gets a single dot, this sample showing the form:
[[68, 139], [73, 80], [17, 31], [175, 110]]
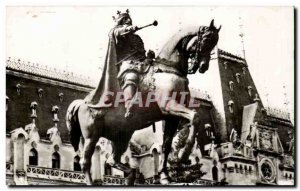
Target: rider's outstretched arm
[[124, 30]]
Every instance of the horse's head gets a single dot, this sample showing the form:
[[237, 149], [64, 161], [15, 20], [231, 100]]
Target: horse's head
[[200, 47]]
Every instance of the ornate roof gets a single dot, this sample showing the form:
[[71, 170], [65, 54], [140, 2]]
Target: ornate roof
[[278, 113], [228, 56], [47, 72], [197, 93]]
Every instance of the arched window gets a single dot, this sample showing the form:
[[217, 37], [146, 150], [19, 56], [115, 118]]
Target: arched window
[[40, 92], [33, 157], [256, 99], [244, 70], [107, 167], [238, 75], [55, 160], [231, 85], [7, 100], [207, 128], [215, 171], [33, 107], [61, 96], [18, 86], [77, 166], [230, 106], [249, 90], [225, 65], [127, 165]]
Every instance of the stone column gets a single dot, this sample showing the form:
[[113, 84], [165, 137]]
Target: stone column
[[20, 177], [96, 164], [156, 161]]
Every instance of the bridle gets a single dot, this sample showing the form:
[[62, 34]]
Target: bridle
[[198, 53]]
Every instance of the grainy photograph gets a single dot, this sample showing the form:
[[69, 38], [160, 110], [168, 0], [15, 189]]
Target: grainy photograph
[[150, 96]]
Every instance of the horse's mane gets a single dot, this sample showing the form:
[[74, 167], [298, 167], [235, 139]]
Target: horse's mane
[[170, 46]]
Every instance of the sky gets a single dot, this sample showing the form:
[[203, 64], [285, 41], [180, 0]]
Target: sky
[[75, 39]]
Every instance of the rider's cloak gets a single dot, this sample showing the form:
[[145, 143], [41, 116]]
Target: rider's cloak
[[108, 85]]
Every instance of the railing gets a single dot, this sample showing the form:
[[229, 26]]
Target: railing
[[112, 180], [55, 174], [149, 180], [78, 177], [43, 70], [205, 182], [242, 150]]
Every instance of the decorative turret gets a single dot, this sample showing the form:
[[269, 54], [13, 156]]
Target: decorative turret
[[31, 127], [54, 132], [55, 110], [33, 107]]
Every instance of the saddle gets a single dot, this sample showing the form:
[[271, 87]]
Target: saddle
[[146, 78], [142, 67], [163, 68]]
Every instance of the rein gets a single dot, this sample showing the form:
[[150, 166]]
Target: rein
[[197, 54]]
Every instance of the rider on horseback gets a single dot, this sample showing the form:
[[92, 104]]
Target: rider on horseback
[[130, 56], [124, 61]]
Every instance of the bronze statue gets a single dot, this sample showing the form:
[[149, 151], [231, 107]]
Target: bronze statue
[[165, 76]]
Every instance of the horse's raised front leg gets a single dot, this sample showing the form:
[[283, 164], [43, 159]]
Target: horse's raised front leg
[[171, 124], [173, 108]]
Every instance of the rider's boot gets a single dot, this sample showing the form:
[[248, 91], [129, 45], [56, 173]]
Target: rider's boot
[[129, 94]]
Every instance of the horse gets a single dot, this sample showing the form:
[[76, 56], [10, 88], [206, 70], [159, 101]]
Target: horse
[[187, 52]]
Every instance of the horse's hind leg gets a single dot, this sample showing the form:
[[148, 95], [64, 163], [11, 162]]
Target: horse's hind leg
[[91, 136], [89, 147], [171, 124]]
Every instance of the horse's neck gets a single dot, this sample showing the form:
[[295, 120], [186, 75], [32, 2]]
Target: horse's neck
[[174, 56], [176, 60]]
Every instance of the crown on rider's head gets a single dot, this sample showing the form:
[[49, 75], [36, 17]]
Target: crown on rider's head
[[118, 18]]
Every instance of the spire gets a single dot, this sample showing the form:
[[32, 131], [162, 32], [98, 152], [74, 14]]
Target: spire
[[211, 13], [242, 34], [286, 101], [179, 25]]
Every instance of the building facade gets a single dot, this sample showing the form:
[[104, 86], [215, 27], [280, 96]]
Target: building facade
[[239, 141]]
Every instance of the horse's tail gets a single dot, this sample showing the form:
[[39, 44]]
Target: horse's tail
[[72, 123]]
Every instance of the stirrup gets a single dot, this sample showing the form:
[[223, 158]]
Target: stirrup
[[128, 113]]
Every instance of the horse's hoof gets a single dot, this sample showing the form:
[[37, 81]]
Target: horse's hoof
[[89, 184], [156, 180], [164, 179]]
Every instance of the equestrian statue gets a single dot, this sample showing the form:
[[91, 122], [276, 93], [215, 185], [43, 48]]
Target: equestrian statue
[[137, 89]]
